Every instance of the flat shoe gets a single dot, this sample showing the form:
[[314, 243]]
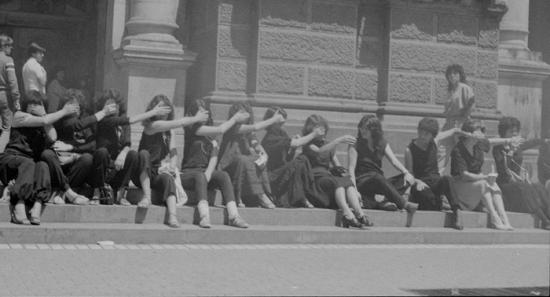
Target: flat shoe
[[124, 202], [238, 222], [205, 223], [173, 224], [144, 203], [35, 221]]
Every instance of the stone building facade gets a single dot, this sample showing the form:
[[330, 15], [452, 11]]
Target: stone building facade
[[338, 58]]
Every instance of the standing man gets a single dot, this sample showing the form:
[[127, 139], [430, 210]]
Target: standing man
[[9, 91], [34, 75]]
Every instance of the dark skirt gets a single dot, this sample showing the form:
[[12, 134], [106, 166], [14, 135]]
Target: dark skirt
[[526, 198], [293, 183], [325, 187]]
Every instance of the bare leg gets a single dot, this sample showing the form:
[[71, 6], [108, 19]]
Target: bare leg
[[172, 213], [353, 201], [340, 197], [499, 205], [493, 215], [146, 187]]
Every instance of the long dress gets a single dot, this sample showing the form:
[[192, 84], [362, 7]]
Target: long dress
[[237, 158], [291, 178], [325, 183], [458, 107]]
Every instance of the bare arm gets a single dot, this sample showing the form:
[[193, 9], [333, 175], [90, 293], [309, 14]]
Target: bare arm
[[335, 160], [333, 144], [352, 162], [163, 126], [277, 118], [393, 160], [23, 119], [212, 162], [446, 134], [300, 141], [216, 130], [173, 150]]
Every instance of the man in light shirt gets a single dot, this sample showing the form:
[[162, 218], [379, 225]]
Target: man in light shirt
[[34, 75], [9, 91]]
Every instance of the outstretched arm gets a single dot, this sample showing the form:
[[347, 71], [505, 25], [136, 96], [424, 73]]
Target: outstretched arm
[[239, 117], [276, 118], [23, 119], [395, 162], [163, 126]]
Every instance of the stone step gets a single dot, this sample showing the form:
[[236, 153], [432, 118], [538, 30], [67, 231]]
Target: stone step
[[91, 233], [256, 216]]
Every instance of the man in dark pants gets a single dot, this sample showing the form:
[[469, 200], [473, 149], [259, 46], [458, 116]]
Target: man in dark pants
[[9, 90], [421, 160]]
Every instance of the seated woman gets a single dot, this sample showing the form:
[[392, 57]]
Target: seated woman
[[113, 134], [78, 132], [543, 164], [334, 191], [242, 156], [30, 135], [519, 194], [291, 179], [199, 162], [421, 160], [365, 167], [158, 140], [472, 186]]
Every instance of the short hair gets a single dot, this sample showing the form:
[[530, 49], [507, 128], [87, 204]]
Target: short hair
[[429, 125], [313, 121], [507, 123], [156, 100], [471, 125], [112, 94], [272, 110], [31, 98], [455, 68], [35, 48], [244, 106], [194, 106], [5, 40]]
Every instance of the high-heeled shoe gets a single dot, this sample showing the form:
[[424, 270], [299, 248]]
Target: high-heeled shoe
[[457, 220], [173, 222], [365, 221], [265, 202], [351, 222], [411, 207]]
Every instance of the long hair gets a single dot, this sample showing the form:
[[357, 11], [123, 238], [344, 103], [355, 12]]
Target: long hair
[[373, 124], [244, 106], [194, 106], [313, 121], [455, 68], [112, 94], [31, 98], [77, 97], [156, 100], [507, 123]]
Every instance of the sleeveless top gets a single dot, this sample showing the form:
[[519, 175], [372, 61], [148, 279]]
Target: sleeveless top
[[276, 144], [158, 146], [28, 141], [462, 160], [197, 149], [368, 160], [318, 160], [424, 161]]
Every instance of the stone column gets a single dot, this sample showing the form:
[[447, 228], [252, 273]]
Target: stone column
[[521, 71], [521, 74], [150, 60]]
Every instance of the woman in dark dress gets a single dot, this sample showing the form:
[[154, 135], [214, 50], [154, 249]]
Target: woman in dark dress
[[365, 166], [30, 135], [338, 191], [113, 134], [543, 165], [519, 194], [244, 159], [291, 178], [199, 162], [474, 188], [158, 140]]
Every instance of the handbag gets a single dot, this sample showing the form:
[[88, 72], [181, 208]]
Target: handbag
[[167, 168], [339, 171]]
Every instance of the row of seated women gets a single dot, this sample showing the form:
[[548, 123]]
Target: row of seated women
[[52, 157]]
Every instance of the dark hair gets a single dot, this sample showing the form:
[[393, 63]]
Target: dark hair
[[313, 121], [31, 98], [5, 40], [194, 106], [156, 100], [76, 96], [455, 68], [429, 125], [244, 106], [507, 123], [471, 125], [272, 110], [35, 48], [373, 124], [115, 95]]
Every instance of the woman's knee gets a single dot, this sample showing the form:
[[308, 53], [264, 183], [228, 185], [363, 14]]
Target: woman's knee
[[144, 156], [101, 153], [48, 155], [86, 159]]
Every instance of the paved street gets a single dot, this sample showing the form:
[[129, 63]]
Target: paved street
[[176, 270]]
